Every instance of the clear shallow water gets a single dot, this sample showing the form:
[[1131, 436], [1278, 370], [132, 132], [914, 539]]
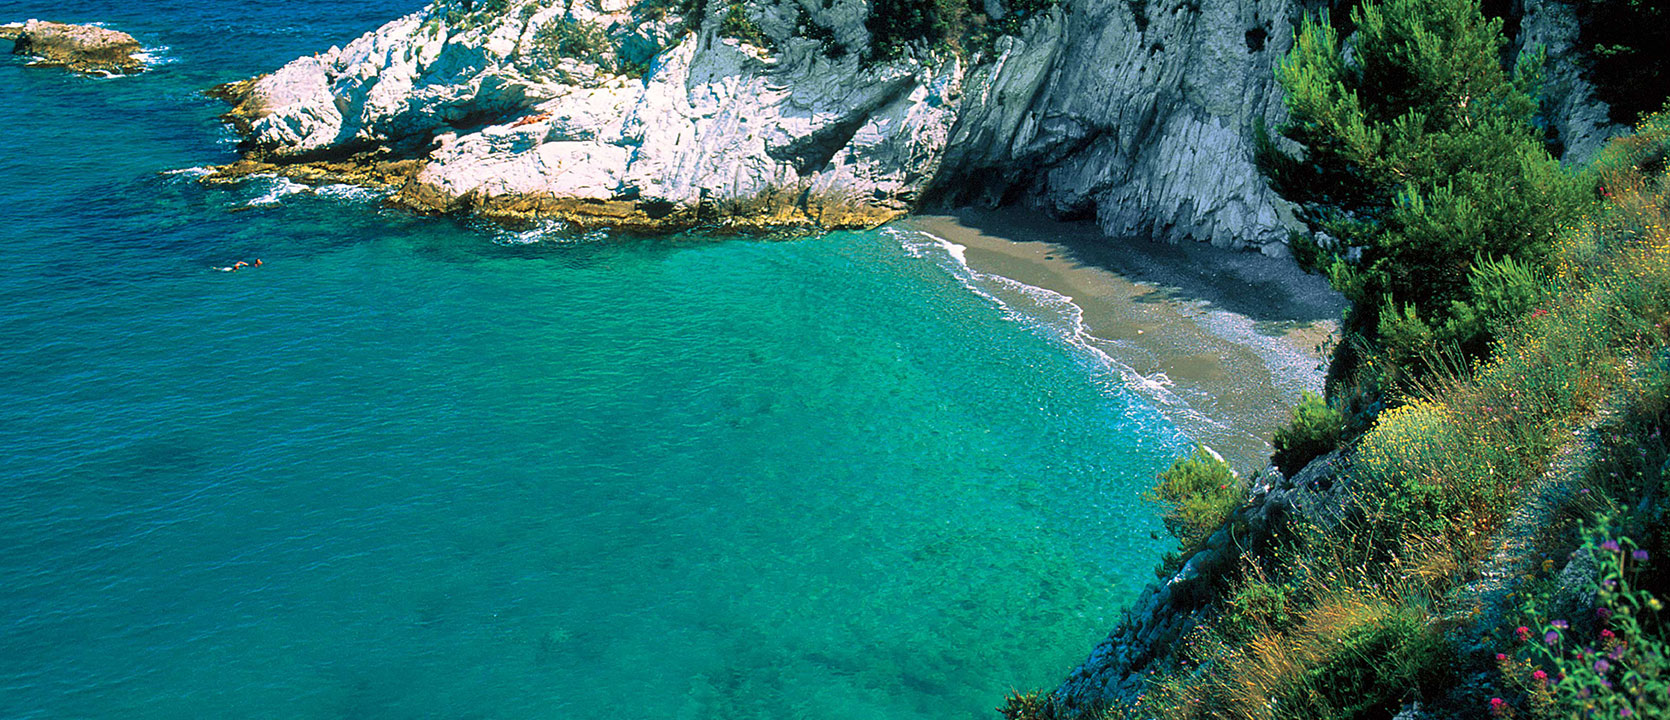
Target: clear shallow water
[[414, 469]]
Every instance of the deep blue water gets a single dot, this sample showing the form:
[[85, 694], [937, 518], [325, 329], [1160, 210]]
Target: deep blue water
[[411, 468]]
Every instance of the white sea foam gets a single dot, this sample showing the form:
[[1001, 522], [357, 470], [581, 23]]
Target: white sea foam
[[278, 188], [539, 233], [155, 56], [1059, 317], [188, 173], [225, 135], [351, 193], [547, 232]]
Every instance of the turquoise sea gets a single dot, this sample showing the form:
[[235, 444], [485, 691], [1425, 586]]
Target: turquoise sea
[[412, 468]]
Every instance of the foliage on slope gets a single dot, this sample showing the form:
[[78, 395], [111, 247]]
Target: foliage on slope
[[1504, 406], [1420, 159], [947, 26], [1569, 413]]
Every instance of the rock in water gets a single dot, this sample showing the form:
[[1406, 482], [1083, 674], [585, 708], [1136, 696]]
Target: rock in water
[[81, 48]]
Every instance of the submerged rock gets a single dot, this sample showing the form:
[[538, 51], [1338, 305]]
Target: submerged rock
[[80, 48]]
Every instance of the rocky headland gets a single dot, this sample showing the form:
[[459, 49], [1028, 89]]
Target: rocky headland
[[756, 114], [78, 48]]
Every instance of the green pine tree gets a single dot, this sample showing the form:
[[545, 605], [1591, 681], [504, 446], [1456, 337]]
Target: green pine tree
[[1419, 148]]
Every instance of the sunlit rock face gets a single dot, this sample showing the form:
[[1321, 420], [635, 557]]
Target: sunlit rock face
[[758, 114], [626, 115]]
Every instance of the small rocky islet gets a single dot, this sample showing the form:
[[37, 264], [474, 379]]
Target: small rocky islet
[[85, 49]]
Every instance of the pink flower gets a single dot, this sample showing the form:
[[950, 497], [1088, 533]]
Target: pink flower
[[1541, 677], [1607, 635], [1498, 707], [1523, 632], [1501, 657]]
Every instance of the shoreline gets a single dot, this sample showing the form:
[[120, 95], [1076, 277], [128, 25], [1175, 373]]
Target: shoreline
[[1221, 342]]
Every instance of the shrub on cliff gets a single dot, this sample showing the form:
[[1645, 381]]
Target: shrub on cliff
[[1384, 594], [894, 25], [1199, 491], [567, 37], [959, 27], [1613, 664], [1314, 431], [737, 23], [1422, 158]]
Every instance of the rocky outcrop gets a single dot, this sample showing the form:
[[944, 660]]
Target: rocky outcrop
[[616, 116], [1164, 613], [80, 48], [669, 114], [1580, 120], [1138, 114]]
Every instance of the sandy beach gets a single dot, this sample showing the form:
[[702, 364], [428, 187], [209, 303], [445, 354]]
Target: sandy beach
[[1222, 342]]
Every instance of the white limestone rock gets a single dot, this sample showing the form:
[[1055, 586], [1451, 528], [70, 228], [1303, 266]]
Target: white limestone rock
[[1136, 113], [712, 119], [1139, 115], [1581, 120]]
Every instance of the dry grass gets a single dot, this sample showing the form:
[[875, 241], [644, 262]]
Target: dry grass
[[1356, 644]]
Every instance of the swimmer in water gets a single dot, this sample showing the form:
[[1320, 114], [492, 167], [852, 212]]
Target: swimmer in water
[[239, 265]]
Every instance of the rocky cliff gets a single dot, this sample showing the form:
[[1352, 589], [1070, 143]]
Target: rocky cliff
[[1139, 114], [669, 114], [624, 115]]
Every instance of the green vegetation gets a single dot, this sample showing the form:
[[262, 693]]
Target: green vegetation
[[895, 25], [1200, 491], [1505, 391], [463, 15], [1316, 429], [1421, 157], [690, 12], [1569, 409], [959, 27], [806, 27], [1031, 705], [738, 24], [1615, 665], [567, 37], [1355, 651]]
